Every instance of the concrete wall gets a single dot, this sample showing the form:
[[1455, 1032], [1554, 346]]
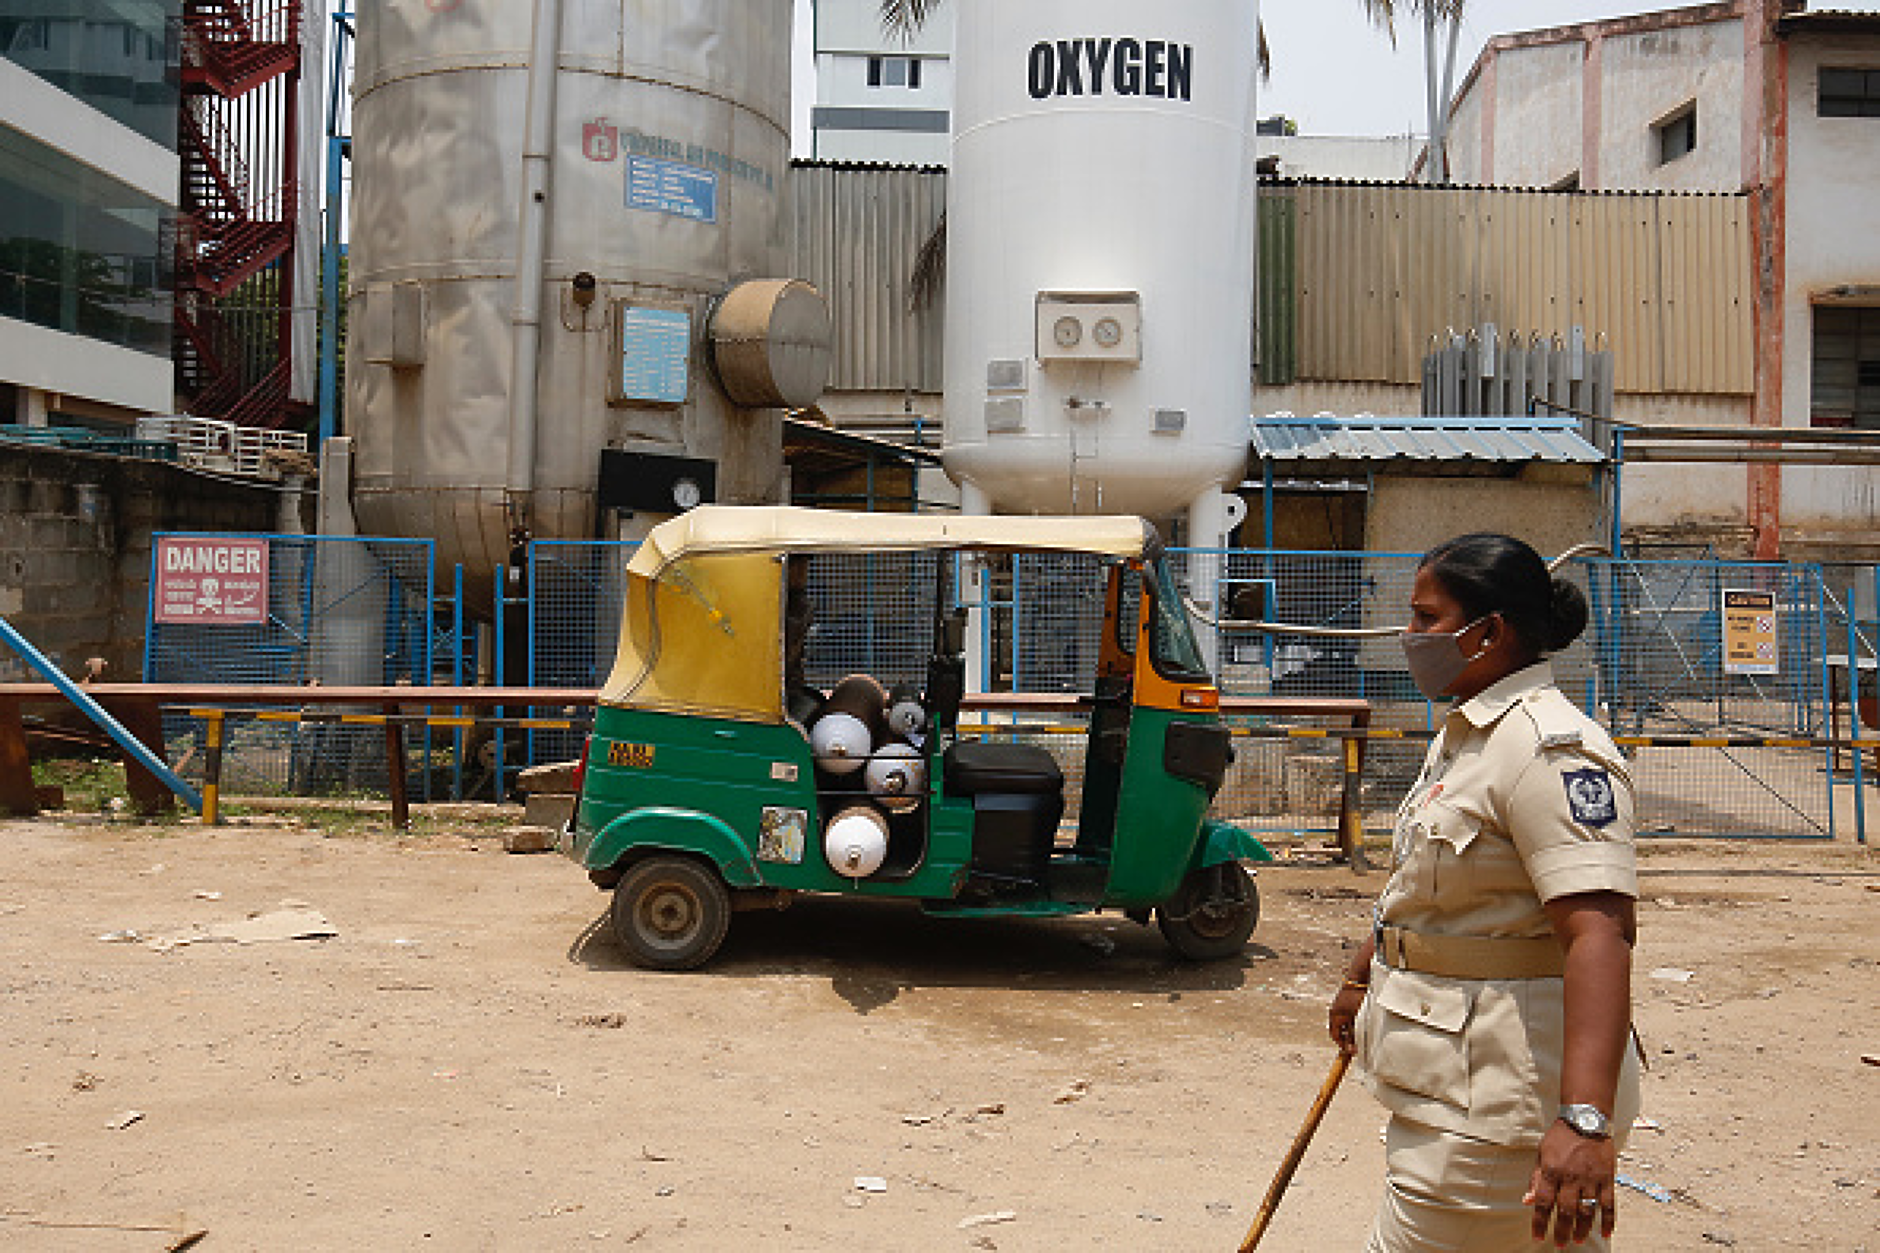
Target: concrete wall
[[1833, 186], [1412, 515], [75, 545], [1537, 106], [1652, 74]]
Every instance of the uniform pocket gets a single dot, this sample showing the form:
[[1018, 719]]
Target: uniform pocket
[[1414, 1035], [1451, 832]]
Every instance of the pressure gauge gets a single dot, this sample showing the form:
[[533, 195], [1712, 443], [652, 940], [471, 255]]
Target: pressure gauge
[[1068, 331], [1108, 332], [685, 493]]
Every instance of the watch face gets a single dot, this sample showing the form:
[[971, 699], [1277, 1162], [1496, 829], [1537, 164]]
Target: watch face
[[685, 493], [1068, 331]]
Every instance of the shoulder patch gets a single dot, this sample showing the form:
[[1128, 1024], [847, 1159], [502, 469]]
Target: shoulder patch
[[1590, 796], [1557, 724]]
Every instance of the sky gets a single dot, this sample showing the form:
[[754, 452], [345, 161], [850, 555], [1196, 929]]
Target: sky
[[1335, 74]]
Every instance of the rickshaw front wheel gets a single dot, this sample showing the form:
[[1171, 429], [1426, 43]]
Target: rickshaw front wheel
[[1212, 914], [670, 913]]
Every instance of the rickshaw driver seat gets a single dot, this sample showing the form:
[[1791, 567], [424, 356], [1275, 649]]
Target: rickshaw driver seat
[[1017, 792]]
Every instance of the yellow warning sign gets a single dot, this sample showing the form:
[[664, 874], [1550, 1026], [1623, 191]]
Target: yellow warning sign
[[1749, 632]]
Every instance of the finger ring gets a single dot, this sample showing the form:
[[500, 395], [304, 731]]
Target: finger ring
[[1587, 1202]]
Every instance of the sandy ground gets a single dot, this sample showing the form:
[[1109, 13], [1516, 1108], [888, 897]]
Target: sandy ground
[[469, 1063]]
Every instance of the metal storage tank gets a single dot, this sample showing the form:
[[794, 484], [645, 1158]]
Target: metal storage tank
[[1100, 235], [569, 191]]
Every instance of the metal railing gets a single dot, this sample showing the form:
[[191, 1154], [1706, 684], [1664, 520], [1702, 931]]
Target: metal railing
[[1713, 752]]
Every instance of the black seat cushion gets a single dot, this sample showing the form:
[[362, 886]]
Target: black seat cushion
[[973, 768]]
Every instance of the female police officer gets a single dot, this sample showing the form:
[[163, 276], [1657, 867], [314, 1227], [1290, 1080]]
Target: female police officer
[[1490, 1010]]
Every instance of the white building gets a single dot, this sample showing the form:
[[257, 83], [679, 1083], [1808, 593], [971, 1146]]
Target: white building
[[1754, 97], [880, 98], [1284, 153], [88, 195]]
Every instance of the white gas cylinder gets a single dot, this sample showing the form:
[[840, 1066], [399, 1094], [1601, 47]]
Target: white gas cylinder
[[841, 743], [856, 841]]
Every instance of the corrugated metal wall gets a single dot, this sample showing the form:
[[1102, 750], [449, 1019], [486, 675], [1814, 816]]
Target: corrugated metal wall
[[1354, 279], [855, 234], [1381, 269]]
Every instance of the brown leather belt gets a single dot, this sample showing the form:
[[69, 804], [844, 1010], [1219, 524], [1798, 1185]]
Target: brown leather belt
[[1470, 956]]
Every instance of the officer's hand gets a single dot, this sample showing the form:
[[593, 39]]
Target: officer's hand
[[1572, 1182], [1343, 1017]]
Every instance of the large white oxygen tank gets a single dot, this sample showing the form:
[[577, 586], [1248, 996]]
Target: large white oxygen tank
[[1100, 255]]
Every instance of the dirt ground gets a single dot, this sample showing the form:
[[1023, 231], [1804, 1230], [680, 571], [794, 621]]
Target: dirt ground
[[469, 1063]]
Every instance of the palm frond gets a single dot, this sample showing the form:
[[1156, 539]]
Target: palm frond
[[904, 18], [930, 268]]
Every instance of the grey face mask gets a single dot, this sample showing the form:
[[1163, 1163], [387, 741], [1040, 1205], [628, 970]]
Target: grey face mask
[[1435, 658]]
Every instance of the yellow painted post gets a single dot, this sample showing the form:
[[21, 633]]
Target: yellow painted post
[[1351, 806], [212, 766]]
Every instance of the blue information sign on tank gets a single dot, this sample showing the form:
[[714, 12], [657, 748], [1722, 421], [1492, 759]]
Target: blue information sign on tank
[[670, 187], [655, 347]]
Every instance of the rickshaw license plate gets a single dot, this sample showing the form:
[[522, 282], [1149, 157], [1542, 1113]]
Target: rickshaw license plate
[[632, 756]]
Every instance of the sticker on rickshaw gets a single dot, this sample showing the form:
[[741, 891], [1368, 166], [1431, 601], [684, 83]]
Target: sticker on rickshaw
[[782, 834], [632, 756]]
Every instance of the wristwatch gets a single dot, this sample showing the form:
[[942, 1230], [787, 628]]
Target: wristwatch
[[1587, 1120]]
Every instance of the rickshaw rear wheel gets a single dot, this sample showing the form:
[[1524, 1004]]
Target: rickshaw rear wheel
[[1212, 914], [670, 913]]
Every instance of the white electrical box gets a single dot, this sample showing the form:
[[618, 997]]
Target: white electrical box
[[1090, 326]]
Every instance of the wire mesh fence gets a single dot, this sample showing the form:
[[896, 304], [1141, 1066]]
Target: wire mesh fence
[[1653, 664], [292, 610]]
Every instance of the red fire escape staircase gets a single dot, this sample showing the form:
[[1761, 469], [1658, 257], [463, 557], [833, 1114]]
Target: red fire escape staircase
[[238, 137]]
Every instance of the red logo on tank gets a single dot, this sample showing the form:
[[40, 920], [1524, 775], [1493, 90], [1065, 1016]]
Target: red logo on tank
[[600, 141]]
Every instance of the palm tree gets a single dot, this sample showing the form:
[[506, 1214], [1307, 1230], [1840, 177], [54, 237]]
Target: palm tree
[[1442, 24]]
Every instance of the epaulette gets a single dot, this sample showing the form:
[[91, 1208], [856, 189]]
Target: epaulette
[[1557, 724]]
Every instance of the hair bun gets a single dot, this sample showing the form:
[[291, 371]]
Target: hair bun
[[1568, 616]]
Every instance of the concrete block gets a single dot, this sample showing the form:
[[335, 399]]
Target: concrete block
[[554, 777], [528, 840], [548, 809]]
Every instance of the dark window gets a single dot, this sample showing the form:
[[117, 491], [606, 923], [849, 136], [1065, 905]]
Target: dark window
[[122, 58], [79, 251], [1846, 377], [893, 72], [1849, 93], [1677, 136]]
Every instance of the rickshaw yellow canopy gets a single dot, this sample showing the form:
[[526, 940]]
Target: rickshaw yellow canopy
[[785, 529], [701, 630]]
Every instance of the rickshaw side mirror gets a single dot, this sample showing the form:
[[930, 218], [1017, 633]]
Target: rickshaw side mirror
[[946, 687], [953, 633]]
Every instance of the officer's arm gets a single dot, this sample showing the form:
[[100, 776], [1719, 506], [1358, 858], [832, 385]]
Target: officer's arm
[[1596, 930]]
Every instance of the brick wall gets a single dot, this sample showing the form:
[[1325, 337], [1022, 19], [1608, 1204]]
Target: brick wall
[[75, 532]]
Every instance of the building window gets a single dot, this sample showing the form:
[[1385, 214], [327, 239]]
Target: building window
[[893, 71], [1846, 379], [1676, 136], [1849, 93]]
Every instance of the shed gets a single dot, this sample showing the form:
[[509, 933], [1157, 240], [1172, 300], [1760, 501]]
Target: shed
[[1423, 479]]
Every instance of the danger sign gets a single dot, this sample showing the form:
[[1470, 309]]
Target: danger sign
[[211, 581]]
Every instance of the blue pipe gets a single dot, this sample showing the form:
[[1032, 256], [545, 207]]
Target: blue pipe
[[93, 710]]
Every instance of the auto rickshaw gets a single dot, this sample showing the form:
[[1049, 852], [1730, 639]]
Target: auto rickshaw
[[707, 788]]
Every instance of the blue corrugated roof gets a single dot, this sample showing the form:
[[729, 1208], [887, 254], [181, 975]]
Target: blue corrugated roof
[[1366, 437]]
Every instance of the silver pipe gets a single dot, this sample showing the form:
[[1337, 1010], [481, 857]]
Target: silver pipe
[[531, 254]]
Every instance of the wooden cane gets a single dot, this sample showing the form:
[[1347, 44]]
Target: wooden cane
[[1277, 1188]]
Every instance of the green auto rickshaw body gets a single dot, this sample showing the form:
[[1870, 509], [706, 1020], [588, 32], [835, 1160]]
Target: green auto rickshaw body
[[693, 754]]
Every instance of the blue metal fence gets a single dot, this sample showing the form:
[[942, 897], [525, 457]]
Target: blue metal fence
[[1651, 663]]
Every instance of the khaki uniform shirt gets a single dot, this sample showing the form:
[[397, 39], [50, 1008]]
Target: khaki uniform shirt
[[1521, 799]]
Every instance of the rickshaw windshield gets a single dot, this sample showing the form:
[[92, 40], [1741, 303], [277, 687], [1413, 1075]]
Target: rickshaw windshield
[[1172, 646]]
